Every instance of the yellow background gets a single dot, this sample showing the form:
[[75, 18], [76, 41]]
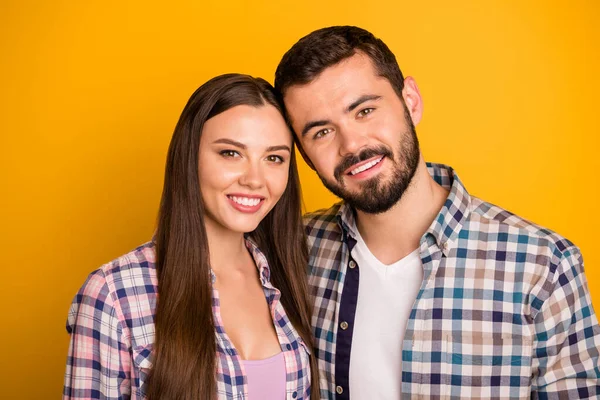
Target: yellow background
[[91, 92]]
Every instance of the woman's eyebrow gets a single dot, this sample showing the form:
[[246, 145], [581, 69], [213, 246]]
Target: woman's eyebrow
[[280, 147], [244, 147], [231, 142]]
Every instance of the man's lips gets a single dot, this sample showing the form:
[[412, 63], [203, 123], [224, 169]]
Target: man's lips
[[352, 161], [363, 166]]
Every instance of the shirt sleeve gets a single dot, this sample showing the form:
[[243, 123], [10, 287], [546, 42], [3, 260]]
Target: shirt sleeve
[[567, 339], [98, 363]]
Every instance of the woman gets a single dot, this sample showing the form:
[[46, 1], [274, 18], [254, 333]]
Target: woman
[[206, 310]]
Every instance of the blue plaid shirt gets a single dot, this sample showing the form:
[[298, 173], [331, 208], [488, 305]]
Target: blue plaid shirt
[[503, 312]]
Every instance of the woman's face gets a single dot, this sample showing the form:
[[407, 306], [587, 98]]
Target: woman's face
[[243, 166]]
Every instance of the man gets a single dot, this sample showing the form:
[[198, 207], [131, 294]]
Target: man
[[420, 289]]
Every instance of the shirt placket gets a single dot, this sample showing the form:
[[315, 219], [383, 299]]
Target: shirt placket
[[234, 365], [344, 325], [289, 341]]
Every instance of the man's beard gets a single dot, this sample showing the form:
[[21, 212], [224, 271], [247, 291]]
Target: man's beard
[[375, 195]]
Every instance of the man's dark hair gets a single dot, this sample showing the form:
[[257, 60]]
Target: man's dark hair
[[325, 47]]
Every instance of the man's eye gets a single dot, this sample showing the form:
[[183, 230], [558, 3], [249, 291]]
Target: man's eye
[[229, 153], [322, 133], [365, 112], [275, 159]]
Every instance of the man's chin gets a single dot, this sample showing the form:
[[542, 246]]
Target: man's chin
[[358, 197], [370, 196], [358, 184]]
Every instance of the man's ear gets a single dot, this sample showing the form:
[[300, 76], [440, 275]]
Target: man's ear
[[412, 99]]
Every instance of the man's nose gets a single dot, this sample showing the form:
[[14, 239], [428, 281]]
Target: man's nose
[[352, 140]]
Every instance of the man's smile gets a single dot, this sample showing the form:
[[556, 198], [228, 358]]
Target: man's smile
[[364, 166]]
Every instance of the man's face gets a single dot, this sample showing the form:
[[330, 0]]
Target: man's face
[[358, 133]]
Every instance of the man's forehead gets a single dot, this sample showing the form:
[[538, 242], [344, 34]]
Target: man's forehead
[[338, 85], [331, 76]]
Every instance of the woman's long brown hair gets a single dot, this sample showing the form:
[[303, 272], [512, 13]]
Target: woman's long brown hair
[[184, 366]]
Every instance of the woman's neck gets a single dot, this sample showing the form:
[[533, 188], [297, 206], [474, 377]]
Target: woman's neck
[[228, 252]]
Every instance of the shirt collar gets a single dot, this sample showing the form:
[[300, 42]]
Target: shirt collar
[[448, 223], [346, 217], [455, 211], [260, 260]]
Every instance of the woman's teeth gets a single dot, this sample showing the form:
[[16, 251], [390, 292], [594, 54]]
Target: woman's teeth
[[245, 201]]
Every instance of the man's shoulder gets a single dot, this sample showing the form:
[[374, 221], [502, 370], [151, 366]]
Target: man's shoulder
[[513, 227], [323, 219]]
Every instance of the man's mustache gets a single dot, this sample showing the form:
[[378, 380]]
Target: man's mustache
[[365, 154]]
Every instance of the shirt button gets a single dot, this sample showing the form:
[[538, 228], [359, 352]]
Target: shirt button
[[294, 395], [352, 264], [445, 246], [339, 390], [344, 325], [288, 346]]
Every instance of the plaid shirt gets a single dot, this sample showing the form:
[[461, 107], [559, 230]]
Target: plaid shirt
[[503, 311], [111, 322]]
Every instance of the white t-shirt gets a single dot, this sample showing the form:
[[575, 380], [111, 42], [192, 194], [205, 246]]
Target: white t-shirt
[[386, 294]]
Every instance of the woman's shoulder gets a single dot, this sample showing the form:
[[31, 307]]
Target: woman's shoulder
[[126, 288], [132, 269]]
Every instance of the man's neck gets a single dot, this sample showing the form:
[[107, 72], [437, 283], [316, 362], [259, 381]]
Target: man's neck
[[394, 234]]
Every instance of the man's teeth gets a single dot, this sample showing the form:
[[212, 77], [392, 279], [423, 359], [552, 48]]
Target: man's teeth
[[365, 167], [245, 201]]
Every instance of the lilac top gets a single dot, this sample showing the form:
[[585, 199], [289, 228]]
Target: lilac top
[[266, 378]]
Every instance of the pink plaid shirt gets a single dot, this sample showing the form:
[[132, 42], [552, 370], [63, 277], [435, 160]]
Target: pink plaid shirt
[[111, 323]]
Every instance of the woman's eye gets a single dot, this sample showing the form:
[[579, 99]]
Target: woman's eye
[[275, 159], [365, 112], [322, 133], [229, 153]]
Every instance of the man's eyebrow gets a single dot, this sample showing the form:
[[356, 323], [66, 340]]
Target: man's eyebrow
[[312, 124], [361, 100], [280, 147], [231, 142], [367, 97]]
